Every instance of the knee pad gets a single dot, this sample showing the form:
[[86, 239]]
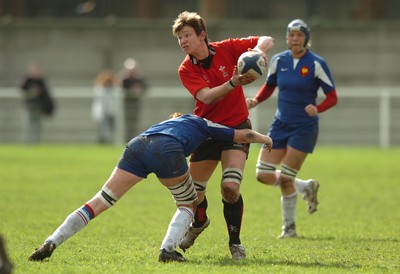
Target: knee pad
[[288, 172], [184, 193], [265, 167], [232, 174], [200, 186], [107, 196]]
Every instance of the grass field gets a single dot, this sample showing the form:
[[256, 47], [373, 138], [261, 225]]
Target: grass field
[[356, 228]]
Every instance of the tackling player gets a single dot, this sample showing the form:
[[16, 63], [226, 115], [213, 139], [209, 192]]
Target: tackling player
[[161, 149], [299, 74], [209, 73]]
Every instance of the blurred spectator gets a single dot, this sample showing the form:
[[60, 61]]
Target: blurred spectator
[[104, 108], [38, 102], [5, 265], [134, 86]]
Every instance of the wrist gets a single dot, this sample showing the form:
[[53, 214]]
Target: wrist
[[230, 84], [258, 50]]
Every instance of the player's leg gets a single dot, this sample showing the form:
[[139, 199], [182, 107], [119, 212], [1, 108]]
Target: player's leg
[[233, 162], [201, 172], [173, 172], [6, 266], [116, 186], [267, 164], [183, 191], [267, 173], [302, 142], [291, 164]]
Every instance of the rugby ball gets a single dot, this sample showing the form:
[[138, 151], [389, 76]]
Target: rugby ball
[[251, 62]]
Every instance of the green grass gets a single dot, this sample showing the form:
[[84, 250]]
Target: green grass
[[356, 228]]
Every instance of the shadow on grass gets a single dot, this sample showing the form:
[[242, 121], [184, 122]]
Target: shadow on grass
[[339, 264], [331, 238], [251, 262]]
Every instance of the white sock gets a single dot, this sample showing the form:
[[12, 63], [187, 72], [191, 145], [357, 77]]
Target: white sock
[[300, 185], [289, 204], [177, 228], [71, 225]]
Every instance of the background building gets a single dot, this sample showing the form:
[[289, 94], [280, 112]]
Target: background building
[[75, 39]]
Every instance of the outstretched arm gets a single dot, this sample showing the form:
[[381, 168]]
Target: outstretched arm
[[263, 94], [252, 136]]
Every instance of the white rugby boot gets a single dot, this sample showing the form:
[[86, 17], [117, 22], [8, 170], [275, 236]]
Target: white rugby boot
[[310, 195]]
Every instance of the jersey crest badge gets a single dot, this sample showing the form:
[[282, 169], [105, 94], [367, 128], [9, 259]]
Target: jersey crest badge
[[304, 71], [224, 73]]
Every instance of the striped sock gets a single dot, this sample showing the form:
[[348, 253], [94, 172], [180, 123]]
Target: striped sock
[[177, 228], [72, 224]]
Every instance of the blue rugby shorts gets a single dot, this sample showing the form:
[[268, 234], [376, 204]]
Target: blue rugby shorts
[[302, 137], [159, 154]]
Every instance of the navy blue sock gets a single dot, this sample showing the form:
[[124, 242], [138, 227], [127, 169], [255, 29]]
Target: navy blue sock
[[200, 216], [233, 214]]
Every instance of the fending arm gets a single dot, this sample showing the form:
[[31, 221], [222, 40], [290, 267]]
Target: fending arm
[[252, 136]]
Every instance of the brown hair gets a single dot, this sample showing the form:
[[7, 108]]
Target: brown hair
[[191, 19], [175, 115], [106, 78]]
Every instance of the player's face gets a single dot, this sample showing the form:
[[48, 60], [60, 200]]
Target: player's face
[[295, 41], [189, 41]]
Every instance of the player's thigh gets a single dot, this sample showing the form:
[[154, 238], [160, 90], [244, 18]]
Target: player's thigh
[[233, 158], [201, 171], [169, 182], [274, 157], [294, 158], [120, 181]]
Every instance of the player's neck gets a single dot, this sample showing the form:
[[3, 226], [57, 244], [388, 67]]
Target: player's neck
[[299, 54], [202, 52]]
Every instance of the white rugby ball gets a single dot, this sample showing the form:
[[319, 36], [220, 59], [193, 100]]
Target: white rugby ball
[[251, 62]]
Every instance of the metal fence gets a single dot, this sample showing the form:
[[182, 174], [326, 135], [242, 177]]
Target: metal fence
[[363, 116]]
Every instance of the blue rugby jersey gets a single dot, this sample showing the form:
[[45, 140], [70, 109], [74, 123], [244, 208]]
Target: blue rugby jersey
[[191, 131], [298, 84]]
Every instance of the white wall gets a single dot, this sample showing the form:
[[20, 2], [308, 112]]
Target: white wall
[[363, 116]]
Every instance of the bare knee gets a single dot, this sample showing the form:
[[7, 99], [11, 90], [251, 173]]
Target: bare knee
[[286, 179], [230, 184], [266, 178], [266, 172], [230, 192], [286, 184]]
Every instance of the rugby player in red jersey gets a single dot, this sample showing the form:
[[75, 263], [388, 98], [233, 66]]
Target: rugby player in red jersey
[[209, 73]]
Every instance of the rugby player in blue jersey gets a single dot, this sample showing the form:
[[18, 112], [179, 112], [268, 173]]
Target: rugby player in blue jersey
[[162, 149], [299, 74]]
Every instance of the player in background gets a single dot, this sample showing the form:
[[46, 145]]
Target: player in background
[[161, 149], [299, 74], [207, 72], [6, 266]]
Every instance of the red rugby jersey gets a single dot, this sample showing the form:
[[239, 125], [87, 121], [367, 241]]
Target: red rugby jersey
[[230, 110]]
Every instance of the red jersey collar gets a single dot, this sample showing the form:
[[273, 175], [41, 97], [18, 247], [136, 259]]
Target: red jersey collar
[[206, 63]]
